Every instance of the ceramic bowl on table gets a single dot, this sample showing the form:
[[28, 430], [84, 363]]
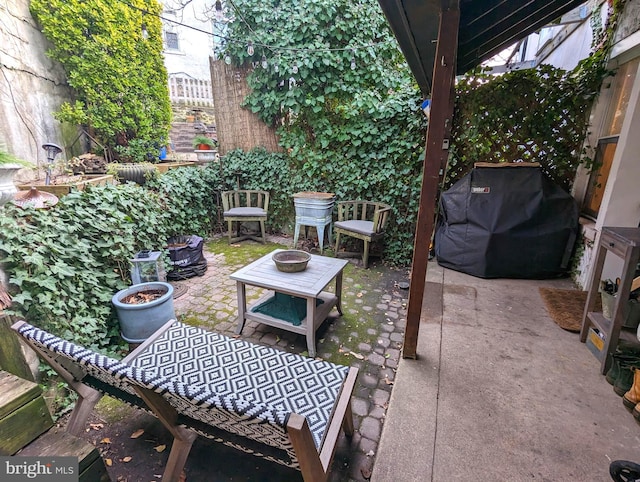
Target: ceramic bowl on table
[[291, 261]]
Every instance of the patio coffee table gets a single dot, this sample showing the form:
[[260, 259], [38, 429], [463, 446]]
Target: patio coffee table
[[308, 284]]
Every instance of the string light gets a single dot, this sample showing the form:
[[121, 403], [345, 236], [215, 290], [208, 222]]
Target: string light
[[273, 48], [264, 62], [353, 59], [145, 32], [294, 69], [227, 59]]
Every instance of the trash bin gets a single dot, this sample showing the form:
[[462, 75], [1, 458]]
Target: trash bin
[[186, 258]]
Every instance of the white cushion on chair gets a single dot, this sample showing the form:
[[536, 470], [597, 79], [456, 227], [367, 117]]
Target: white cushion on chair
[[357, 226], [245, 212]]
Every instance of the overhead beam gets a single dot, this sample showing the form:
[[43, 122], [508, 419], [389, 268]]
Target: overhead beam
[[436, 153], [481, 40]]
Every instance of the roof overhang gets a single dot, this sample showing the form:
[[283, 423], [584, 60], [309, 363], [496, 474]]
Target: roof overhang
[[486, 28]]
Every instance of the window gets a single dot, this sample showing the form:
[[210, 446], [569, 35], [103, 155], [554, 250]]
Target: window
[[171, 40], [609, 133], [598, 178]]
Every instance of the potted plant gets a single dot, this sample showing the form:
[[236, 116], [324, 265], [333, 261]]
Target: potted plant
[[143, 308], [9, 165], [203, 143]]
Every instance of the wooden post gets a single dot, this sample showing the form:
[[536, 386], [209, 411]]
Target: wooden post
[[12, 359], [439, 128]]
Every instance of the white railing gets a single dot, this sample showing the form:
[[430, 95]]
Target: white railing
[[187, 90]]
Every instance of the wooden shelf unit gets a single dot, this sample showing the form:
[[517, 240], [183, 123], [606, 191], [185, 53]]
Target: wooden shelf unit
[[625, 243]]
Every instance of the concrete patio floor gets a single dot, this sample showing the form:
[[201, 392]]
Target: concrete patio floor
[[500, 393]]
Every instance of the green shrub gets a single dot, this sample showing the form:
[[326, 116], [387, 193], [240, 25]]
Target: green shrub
[[65, 263]]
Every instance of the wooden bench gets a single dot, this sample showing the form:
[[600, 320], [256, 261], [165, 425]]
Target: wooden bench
[[281, 406]]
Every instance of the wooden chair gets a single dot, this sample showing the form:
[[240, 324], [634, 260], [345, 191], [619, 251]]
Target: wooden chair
[[365, 220], [245, 206]]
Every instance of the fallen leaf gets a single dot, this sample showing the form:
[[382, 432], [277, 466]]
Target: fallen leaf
[[357, 355], [109, 462], [96, 426], [126, 459], [370, 453], [137, 433], [160, 448], [359, 295], [387, 381], [105, 440]]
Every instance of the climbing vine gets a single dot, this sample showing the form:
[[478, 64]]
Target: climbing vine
[[534, 115], [117, 72]]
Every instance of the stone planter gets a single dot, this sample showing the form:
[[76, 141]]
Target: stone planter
[[138, 321], [206, 156], [7, 187]]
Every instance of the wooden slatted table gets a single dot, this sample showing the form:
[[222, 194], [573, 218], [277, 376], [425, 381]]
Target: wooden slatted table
[[308, 284]]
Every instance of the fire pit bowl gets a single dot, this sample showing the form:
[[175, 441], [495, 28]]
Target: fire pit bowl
[[291, 261]]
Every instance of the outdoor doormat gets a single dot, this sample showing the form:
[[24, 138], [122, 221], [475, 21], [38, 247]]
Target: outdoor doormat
[[566, 307]]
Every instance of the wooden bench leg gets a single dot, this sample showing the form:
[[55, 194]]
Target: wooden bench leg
[[306, 452], [182, 438], [313, 465], [180, 448], [83, 407]]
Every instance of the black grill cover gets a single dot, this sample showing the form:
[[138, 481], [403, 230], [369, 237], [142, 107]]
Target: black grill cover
[[506, 222]]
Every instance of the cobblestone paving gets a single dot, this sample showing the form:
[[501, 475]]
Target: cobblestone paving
[[369, 336]]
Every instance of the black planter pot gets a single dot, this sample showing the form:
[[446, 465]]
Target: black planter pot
[[137, 172]]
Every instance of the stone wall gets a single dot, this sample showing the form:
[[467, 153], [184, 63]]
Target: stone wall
[[32, 87]]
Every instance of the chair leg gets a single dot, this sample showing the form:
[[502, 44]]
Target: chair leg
[[264, 239], [365, 255], [337, 243], [230, 230]]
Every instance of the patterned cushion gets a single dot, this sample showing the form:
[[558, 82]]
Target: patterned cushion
[[239, 370]]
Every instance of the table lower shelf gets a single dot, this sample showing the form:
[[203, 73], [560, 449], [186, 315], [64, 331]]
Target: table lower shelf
[[322, 311]]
